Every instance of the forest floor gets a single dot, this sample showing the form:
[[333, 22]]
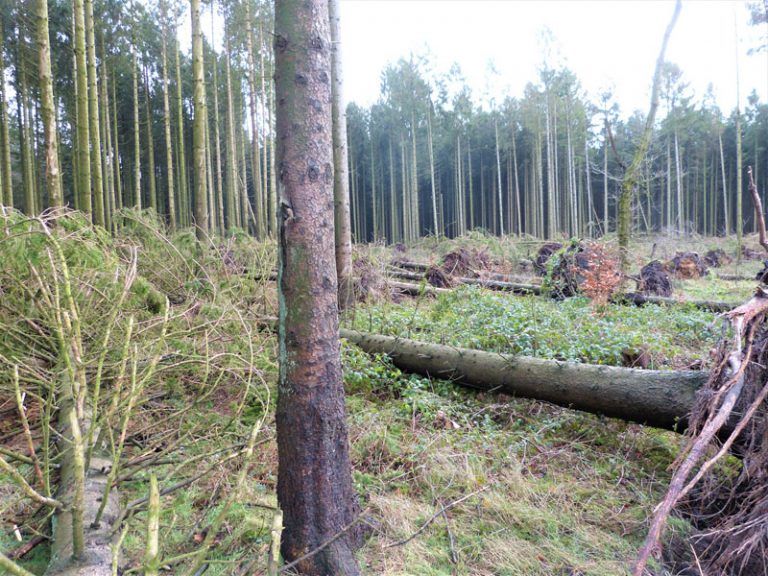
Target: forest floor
[[528, 488]]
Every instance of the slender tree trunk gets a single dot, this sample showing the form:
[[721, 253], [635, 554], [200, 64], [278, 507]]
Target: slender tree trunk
[[630, 178], [588, 178], [83, 129], [201, 118], [314, 487], [678, 188], [217, 137], [6, 168], [605, 180], [25, 134], [183, 180], [255, 160], [150, 149], [93, 118], [739, 214], [342, 224], [725, 187], [52, 175], [518, 209], [171, 193], [118, 172], [498, 176], [109, 156], [136, 136], [435, 225], [232, 212]]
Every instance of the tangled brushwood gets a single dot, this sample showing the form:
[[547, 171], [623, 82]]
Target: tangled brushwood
[[727, 504], [597, 272]]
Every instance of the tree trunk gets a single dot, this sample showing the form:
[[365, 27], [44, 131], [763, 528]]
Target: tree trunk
[[658, 398], [233, 212], [314, 487], [52, 175], [83, 131], [435, 224], [5, 141], [498, 176], [171, 193], [201, 117], [631, 176], [259, 206], [150, 149], [340, 161], [93, 118], [217, 136], [183, 181], [136, 136]]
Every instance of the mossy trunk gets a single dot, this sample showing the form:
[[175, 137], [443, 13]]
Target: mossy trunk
[[657, 398], [96, 559]]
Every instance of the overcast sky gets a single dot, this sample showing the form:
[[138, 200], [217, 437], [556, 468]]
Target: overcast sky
[[608, 44]]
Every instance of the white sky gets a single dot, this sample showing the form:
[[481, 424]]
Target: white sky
[[608, 44]]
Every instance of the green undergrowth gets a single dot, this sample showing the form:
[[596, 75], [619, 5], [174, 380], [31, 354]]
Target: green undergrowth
[[546, 491], [572, 329]]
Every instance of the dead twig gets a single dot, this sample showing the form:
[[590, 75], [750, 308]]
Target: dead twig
[[435, 516]]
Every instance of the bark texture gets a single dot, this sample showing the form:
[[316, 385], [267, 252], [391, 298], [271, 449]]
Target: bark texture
[[314, 487], [658, 398]]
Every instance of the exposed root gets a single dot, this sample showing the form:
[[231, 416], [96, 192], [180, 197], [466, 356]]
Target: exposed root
[[732, 517], [717, 258], [687, 266], [543, 256], [654, 280]]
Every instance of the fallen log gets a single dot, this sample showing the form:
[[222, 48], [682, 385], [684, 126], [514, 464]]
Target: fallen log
[[628, 298], [400, 267], [658, 398], [514, 287], [641, 299], [416, 289]]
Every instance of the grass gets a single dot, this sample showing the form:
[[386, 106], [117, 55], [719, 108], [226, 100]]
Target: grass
[[551, 491]]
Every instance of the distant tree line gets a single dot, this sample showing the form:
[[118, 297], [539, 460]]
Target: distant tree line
[[427, 159], [122, 100]]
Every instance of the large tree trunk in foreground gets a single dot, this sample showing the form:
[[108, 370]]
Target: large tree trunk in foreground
[[314, 486], [653, 397]]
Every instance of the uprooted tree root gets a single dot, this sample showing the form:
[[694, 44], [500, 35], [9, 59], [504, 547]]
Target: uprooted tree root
[[731, 515]]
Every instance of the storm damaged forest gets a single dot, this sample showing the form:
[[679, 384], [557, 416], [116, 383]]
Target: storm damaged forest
[[256, 320]]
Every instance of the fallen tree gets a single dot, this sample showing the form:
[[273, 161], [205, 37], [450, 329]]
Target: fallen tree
[[627, 298], [659, 398]]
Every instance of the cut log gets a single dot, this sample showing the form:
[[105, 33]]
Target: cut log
[[416, 289], [658, 398]]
